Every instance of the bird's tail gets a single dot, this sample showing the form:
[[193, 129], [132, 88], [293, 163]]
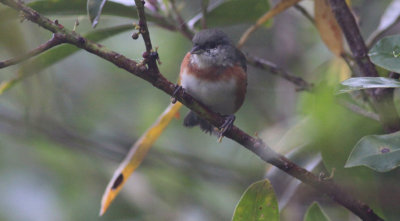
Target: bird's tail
[[192, 119]]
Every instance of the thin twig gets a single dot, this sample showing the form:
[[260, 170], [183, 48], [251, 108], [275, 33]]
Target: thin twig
[[204, 6], [144, 30], [382, 102], [359, 110], [279, 7], [54, 41], [150, 56], [305, 13], [253, 144], [182, 25], [300, 83]]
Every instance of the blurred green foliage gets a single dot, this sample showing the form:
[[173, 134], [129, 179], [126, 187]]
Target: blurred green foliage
[[315, 213], [258, 202], [64, 130]]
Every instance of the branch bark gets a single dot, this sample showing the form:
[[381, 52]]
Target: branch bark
[[383, 100], [299, 82], [156, 79], [54, 41], [144, 30], [183, 27]]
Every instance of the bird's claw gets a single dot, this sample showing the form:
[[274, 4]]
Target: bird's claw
[[226, 126], [176, 91]]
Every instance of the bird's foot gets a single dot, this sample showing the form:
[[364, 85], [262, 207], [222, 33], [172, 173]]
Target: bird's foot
[[178, 88], [226, 126]]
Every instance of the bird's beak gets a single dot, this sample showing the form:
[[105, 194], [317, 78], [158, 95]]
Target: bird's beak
[[196, 50]]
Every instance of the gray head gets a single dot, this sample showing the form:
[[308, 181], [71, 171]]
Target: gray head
[[212, 47], [209, 39]]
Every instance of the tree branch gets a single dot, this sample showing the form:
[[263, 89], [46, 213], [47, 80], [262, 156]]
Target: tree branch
[[305, 13], [254, 145], [182, 26], [279, 7], [54, 41], [382, 101], [359, 110], [204, 7], [144, 30], [300, 83]]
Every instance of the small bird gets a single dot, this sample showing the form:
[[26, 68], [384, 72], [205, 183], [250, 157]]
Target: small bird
[[214, 73]]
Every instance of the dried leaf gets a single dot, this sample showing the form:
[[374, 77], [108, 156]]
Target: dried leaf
[[136, 155], [328, 28]]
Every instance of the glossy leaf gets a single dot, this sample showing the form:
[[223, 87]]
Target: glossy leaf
[[378, 152], [53, 55], [328, 28], [136, 155], [233, 12], [257, 203], [94, 8], [315, 213], [353, 84], [386, 53]]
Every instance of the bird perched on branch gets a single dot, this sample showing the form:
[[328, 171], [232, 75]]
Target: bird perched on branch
[[214, 73]]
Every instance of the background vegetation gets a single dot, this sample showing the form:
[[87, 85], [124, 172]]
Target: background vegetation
[[64, 129]]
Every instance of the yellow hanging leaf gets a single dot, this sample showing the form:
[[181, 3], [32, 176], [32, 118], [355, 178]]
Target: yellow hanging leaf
[[278, 8], [5, 85], [328, 28], [136, 155]]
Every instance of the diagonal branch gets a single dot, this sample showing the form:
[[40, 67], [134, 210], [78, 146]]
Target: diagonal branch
[[253, 144], [279, 7], [305, 13], [204, 6], [54, 41], [382, 101], [182, 25], [300, 83]]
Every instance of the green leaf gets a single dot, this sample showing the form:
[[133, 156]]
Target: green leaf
[[78, 7], [232, 12], [378, 152], [386, 53], [315, 213], [94, 8], [257, 203], [59, 53], [353, 84]]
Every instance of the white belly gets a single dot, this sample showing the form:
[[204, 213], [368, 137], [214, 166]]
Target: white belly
[[218, 96]]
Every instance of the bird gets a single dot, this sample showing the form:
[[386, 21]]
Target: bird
[[214, 73]]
